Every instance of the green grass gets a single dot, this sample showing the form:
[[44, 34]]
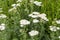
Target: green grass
[[12, 31]]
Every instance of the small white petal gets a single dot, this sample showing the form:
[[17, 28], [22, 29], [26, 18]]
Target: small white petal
[[35, 21], [21, 25]]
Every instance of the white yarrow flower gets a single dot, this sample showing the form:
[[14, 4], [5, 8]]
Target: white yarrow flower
[[33, 33], [2, 27], [58, 21], [38, 15], [24, 22], [2, 16], [59, 37], [53, 28], [35, 21], [34, 14], [38, 3], [43, 16]]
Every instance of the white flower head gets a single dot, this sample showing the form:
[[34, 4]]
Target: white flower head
[[53, 28], [2, 16], [58, 21], [38, 3], [33, 33], [35, 21], [59, 37], [2, 27], [34, 14], [3, 24], [43, 16], [24, 22]]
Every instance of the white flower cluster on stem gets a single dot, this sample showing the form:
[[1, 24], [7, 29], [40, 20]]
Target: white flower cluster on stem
[[38, 15]]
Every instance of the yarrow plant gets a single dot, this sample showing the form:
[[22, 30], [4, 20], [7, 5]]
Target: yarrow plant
[[29, 20]]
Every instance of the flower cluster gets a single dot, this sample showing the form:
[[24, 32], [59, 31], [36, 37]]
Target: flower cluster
[[2, 16], [58, 21], [38, 15], [24, 22], [34, 15], [33, 33], [36, 3], [2, 26], [54, 28]]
